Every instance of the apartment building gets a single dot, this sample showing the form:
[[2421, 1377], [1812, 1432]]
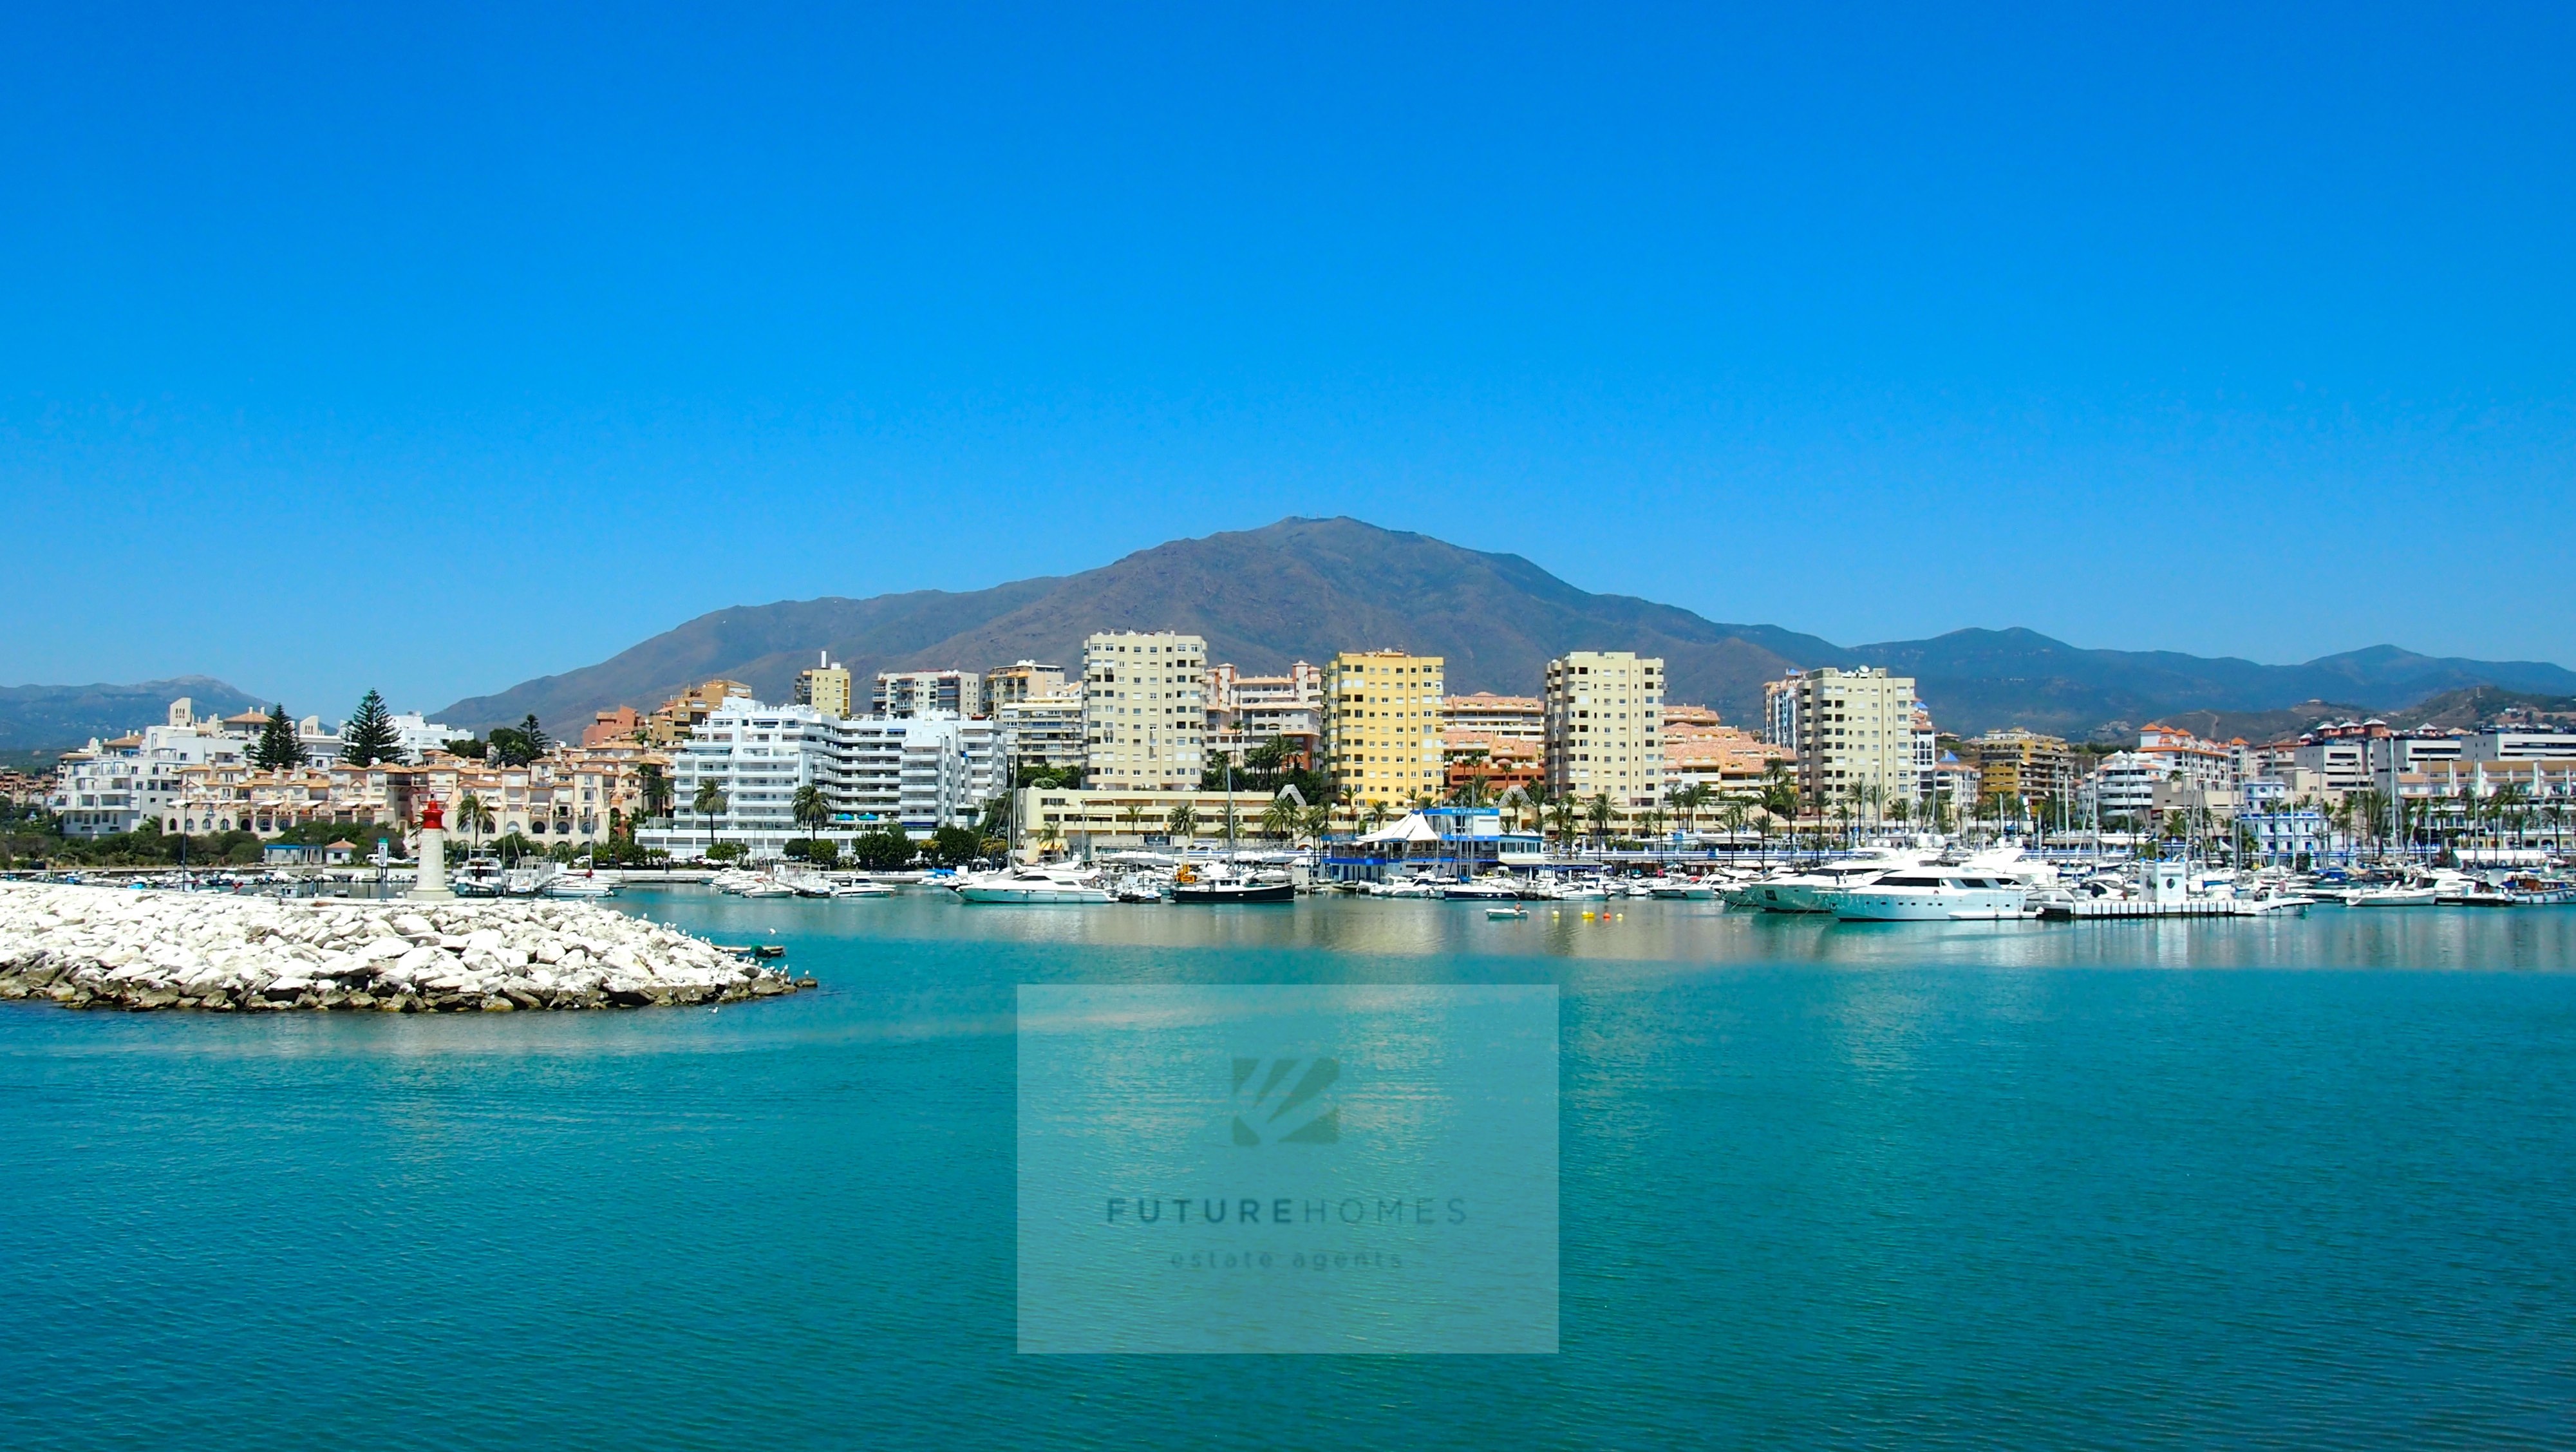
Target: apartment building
[[1382, 720], [1244, 712], [116, 785], [824, 686], [912, 774], [2023, 765], [621, 725], [1144, 710], [1521, 718], [1025, 680], [1724, 759], [673, 720], [1604, 724], [927, 693], [1079, 820], [1040, 731], [2190, 760], [1854, 735]]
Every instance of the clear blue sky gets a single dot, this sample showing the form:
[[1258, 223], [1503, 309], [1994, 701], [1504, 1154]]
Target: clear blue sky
[[435, 349]]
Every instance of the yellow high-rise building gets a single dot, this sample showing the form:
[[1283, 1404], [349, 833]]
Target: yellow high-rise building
[[1382, 717], [825, 687]]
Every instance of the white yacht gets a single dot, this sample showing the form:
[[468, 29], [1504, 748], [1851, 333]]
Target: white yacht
[[1808, 890], [1919, 894], [1034, 886]]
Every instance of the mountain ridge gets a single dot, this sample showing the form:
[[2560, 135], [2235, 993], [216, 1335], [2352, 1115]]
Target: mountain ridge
[[1304, 588], [53, 717]]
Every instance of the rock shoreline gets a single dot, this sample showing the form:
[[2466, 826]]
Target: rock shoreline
[[103, 947]]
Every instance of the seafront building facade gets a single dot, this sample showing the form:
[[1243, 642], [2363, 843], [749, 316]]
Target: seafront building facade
[[1144, 710], [1382, 718], [1854, 733], [1604, 724], [117, 785], [1245, 712], [875, 773]]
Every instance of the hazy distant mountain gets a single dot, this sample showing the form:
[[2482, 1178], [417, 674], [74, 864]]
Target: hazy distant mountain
[[58, 716], [1305, 588]]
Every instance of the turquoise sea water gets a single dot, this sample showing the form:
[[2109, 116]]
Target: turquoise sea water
[[2299, 1183]]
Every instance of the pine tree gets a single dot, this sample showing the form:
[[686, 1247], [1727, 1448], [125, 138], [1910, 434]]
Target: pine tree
[[369, 738], [277, 750]]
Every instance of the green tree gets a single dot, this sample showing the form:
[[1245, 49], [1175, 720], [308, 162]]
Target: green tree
[[955, 846], [1183, 822], [277, 749], [882, 851], [707, 803], [810, 812], [1133, 816], [368, 738], [1597, 812], [518, 745]]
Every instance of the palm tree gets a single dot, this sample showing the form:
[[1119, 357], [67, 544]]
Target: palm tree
[[475, 816], [654, 785], [1280, 818], [1597, 812], [1184, 824], [810, 813], [1050, 836], [709, 801], [1688, 801], [1470, 793], [1560, 814], [1133, 815], [1317, 820]]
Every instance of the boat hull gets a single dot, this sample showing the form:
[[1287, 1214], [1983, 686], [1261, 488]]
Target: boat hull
[[1035, 896], [1902, 905], [1219, 894]]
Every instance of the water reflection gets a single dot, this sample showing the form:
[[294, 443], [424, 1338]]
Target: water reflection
[[1650, 931]]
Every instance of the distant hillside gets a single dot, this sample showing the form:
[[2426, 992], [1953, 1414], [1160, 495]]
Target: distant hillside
[[2479, 705], [1305, 588], [2254, 726], [1299, 589], [53, 717]]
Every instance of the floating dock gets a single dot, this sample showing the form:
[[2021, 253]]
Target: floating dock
[[2088, 909]]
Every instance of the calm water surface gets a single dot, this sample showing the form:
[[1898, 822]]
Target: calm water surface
[[2304, 1183]]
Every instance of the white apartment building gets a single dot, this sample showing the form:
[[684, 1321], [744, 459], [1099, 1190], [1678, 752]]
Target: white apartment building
[[1144, 710], [1248, 711], [415, 735], [2518, 746], [910, 774], [925, 693], [1855, 733], [1605, 716], [114, 786]]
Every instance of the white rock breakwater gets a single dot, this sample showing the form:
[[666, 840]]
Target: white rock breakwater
[[97, 947]]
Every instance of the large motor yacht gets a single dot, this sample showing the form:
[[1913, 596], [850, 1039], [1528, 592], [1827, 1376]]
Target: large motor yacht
[[1034, 886], [1916, 894], [1810, 889]]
